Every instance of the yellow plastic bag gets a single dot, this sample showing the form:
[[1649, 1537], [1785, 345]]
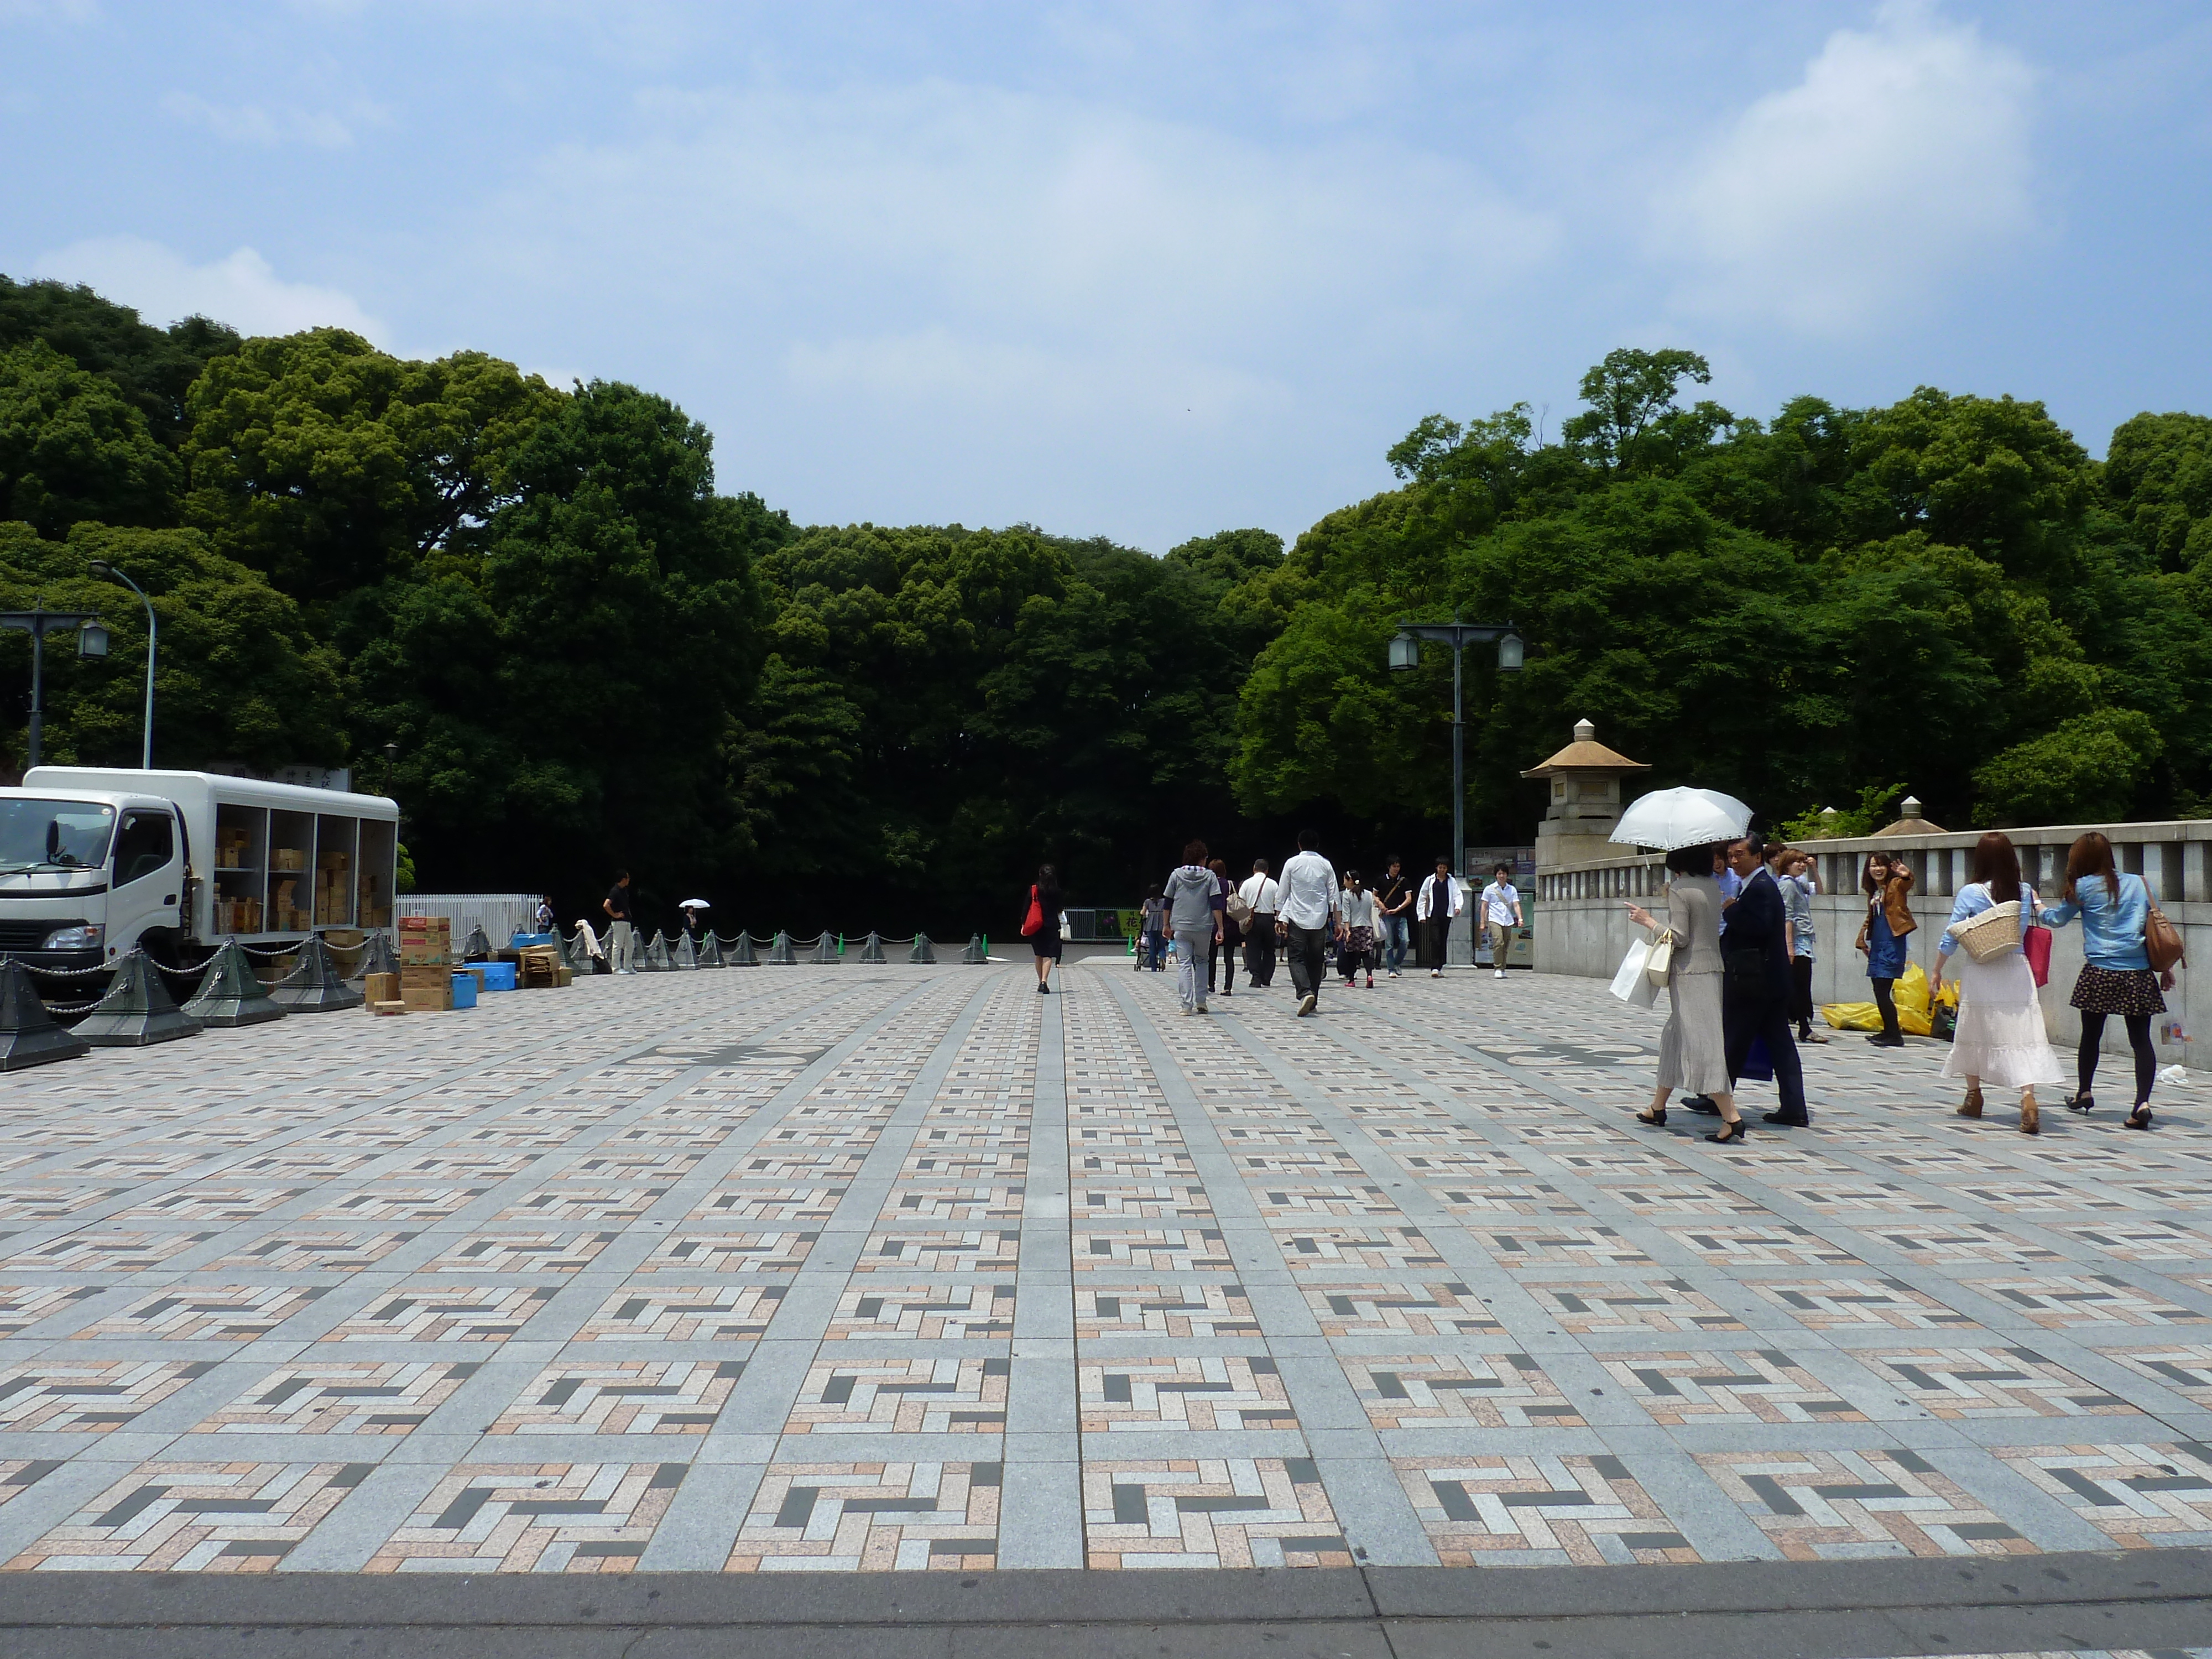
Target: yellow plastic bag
[[1910, 995]]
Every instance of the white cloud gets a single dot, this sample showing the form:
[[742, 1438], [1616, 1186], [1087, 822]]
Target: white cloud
[[1899, 161], [251, 124], [240, 290]]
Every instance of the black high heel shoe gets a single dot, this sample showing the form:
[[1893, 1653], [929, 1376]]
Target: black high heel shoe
[[2082, 1103], [1733, 1133], [1657, 1120], [2139, 1119]]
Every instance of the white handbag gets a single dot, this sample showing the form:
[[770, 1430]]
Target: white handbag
[[1661, 961], [1631, 983]]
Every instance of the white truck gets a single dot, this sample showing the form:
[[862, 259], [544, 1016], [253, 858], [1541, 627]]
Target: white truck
[[94, 861]]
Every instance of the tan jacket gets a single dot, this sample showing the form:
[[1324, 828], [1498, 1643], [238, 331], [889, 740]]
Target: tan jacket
[[1693, 919], [1893, 906]]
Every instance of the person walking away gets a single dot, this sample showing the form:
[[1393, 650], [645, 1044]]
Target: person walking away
[[1357, 904], [1441, 899], [622, 925], [1393, 905], [1308, 918], [1757, 982], [1231, 935], [2001, 1037], [1152, 935], [1190, 893], [2115, 972], [1263, 898], [1501, 916], [543, 922], [1045, 903], [1694, 1045], [1793, 873], [1885, 882]]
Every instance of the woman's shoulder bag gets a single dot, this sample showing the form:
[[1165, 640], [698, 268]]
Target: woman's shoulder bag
[[2161, 938], [1034, 922]]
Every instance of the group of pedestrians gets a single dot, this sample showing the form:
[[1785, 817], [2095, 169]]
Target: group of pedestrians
[[1300, 917], [1738, 944]]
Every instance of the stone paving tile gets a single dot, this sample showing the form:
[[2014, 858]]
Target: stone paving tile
[[1210, 1512], [1471, 1312], [2140, 1495], [1819, 1506], [196, 1517], [871, 1516], [533, 1517], [1761, 1383], [1537, 1511]]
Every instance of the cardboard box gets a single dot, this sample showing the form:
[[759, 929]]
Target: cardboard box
[[381, 987], [429, 999], [394, 1005], [414, 955], [419, 977]]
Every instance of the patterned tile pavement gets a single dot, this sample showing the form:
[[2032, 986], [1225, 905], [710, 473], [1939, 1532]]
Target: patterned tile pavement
[[906, 1269]]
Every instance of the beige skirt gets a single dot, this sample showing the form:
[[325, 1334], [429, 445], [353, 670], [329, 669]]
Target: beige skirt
[[1693, 1048]]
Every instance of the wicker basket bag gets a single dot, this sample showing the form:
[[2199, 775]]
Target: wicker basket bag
[[1991, 935]]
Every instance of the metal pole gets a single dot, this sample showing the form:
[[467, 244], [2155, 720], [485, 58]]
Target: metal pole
[[38, 674], [153, 633], [1459, 765]]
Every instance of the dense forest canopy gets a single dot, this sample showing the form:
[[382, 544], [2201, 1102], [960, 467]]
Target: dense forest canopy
[[534, 616]]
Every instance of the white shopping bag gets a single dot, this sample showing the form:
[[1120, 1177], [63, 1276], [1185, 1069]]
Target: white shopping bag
[[1631, 983]]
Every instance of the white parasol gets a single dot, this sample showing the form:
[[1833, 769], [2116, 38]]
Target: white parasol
[[1682, 816], [695, 904]]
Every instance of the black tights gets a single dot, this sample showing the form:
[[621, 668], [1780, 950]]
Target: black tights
[[2093, 1033], [1887, 1004]]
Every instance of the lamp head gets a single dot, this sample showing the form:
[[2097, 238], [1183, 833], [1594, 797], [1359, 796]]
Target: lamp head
[[102, 568], [92, 640], [1510, 654], [1405, 652]]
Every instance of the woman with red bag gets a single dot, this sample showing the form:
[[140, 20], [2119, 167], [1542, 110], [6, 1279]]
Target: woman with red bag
[[1041, 926]]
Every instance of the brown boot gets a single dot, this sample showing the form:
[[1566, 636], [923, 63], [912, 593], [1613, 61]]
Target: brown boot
[[1972, 1106], [2031, 1115]]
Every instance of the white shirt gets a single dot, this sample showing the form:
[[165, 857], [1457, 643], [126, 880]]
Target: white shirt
[[1308, 891], [1427, 909], [1359, 907], [1262, 894], [1499, 900]]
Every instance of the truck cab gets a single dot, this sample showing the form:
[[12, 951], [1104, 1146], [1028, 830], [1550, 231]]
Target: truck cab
[[85, 875]]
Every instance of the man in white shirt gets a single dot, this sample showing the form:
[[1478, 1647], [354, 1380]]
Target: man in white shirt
[[1265, 897], [1310, 914], [1501, 915], [1442, 898]]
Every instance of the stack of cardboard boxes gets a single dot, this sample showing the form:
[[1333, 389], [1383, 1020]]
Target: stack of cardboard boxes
[[426, 963]]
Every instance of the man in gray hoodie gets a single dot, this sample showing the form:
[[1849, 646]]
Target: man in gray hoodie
[[1195, 922]]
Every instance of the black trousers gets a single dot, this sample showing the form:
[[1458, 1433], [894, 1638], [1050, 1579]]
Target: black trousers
[[1746, 1016], [1884, 1000], [1800, 1002], [1260, 948], [1435, 939], [1308, 949], [1222, 955]]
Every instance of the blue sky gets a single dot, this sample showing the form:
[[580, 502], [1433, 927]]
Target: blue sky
[[1143, 270]]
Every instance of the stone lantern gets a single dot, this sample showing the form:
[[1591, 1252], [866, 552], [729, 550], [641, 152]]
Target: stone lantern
[[1585, 778]]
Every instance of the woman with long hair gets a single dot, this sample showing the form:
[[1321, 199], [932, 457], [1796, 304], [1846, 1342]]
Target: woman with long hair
[[1359, 946], [2115, 972], [1885, 882], [1224, 950], [1693, 1046], [1044, 943], [2001, 1037]]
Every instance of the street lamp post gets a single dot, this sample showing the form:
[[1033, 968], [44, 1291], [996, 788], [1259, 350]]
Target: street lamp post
[[1406, 652], [101, 568], [39, 621]]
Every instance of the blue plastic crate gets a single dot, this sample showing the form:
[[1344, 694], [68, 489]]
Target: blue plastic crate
[[498, 975], [464, 990]]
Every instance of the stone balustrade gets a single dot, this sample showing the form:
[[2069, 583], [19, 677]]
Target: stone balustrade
[[1582, 925]]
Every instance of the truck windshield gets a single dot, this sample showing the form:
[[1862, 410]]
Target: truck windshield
[[53, 835]]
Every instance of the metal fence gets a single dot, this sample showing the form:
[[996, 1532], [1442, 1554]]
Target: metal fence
[[501, 915]]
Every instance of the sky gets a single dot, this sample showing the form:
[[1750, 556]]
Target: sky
[[1145, 271]]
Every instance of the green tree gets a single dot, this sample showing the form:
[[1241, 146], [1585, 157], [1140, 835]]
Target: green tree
[[151, 368], [2158, 471], [71, 448]]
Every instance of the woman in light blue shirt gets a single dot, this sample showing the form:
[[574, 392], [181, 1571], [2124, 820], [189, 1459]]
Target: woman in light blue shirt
[[2116, 975]]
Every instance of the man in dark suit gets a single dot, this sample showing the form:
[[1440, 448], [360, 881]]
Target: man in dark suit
[[1757, 990]]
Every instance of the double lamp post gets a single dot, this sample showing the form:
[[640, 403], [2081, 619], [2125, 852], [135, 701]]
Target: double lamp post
[[1405, 653], [91, 642]]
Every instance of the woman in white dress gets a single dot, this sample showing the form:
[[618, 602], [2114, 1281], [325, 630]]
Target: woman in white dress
[[2001, 1037], [1693, 1046]]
